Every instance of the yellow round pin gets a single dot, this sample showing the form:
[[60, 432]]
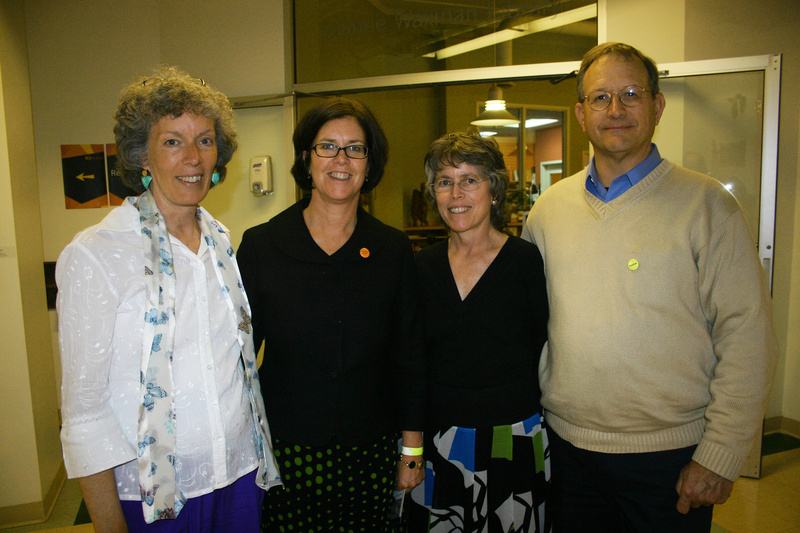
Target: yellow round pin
[[633, 264]]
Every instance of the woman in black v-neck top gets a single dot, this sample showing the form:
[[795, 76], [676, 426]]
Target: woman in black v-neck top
[[485, 314]]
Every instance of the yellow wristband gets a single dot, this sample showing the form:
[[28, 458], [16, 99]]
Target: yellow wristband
[[412, 451]]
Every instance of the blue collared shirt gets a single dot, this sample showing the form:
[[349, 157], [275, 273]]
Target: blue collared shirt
[[623, 183]]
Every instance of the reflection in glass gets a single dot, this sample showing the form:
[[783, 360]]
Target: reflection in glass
[[539, 164], [722, 130], [346, 39]]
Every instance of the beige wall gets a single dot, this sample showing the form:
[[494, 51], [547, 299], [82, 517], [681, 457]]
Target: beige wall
[[29, 446], [16, 420]]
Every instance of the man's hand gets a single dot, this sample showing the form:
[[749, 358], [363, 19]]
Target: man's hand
[[697, 485]]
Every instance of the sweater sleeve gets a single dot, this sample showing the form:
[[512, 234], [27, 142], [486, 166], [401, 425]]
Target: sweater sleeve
[[737, 304]]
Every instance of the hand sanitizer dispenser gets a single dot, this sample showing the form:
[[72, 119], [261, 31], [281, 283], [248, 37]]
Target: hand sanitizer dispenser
[[260, 175]]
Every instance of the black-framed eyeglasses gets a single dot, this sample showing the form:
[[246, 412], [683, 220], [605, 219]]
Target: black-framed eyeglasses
[[466, 184], [630, 96], [353, 151]]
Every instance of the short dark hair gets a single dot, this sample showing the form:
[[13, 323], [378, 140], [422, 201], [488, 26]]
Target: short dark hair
[[483, 153], [624, 51], [331, 109], [168, 92]]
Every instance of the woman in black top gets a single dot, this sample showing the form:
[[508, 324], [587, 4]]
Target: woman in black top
[[333, 294], [485, 324]]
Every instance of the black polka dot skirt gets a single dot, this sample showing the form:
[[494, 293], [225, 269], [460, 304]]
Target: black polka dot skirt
[[332, 489]]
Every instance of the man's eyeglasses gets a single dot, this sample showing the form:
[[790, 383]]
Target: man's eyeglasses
[[466, 184], [630, 96], [354, 151]]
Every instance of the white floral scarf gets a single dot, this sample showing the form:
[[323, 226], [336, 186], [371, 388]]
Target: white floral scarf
[[161, 498]]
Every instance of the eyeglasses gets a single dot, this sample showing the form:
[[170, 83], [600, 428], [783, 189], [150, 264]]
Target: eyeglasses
[[466, 184], [630, 96], [353, 151]]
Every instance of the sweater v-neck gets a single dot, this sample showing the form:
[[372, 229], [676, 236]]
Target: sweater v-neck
[[607, 210]]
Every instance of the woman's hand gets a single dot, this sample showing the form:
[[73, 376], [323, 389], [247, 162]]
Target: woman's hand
[[408, 478]]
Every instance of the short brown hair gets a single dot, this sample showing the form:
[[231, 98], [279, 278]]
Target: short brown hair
[[332, 109], [484, 154]]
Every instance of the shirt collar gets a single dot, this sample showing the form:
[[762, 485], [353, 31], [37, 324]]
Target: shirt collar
[[291, 235], [623, 183]]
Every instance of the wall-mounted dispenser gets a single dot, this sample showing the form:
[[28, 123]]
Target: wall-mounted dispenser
[[260, 175]]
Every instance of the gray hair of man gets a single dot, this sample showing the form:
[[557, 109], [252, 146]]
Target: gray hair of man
[[624, 51]]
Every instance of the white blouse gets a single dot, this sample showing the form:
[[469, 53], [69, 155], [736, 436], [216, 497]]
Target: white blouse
[[101, 305]]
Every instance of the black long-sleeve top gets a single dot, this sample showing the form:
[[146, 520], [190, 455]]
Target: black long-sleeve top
[[483, 352], [343, 353]]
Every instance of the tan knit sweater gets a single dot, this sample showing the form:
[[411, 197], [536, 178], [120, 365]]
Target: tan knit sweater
[[660, 331]]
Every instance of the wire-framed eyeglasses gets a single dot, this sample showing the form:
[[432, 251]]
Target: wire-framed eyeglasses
[[465, 184], [630, 96], [353, 151]]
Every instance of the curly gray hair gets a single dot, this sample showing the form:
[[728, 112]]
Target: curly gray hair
[[168, 92]]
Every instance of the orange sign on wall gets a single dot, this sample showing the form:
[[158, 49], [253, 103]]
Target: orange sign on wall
[[84, 170]]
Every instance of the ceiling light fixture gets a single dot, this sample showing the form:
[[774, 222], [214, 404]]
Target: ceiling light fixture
[[495, 112], [521, 30], [535, 122]]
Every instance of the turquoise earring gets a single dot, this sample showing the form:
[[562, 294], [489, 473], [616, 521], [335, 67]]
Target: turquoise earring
[[215, 177], [146, 179]]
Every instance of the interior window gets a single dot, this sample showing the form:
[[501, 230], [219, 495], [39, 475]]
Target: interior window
[[345, 39]]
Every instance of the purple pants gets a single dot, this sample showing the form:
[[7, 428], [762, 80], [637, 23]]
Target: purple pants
[[236, 507]]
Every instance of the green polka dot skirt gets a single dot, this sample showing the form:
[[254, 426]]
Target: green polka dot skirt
[[337, 489]]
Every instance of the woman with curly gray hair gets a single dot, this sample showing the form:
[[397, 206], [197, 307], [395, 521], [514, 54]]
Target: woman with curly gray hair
[[163, 418], [485, 439], [169, 92]]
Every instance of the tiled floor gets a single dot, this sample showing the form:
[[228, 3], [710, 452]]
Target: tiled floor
[[769, 504]]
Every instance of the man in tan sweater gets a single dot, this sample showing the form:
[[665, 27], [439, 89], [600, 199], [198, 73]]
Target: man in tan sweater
[[661, 349]]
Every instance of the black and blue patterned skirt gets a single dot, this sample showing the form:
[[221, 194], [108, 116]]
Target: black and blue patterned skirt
[[492, 480]]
